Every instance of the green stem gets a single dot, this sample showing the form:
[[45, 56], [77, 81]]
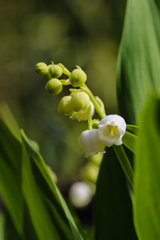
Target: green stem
[[90, 123], [95, 103]]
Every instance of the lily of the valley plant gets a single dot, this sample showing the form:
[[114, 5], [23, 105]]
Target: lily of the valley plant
[[80, 105]]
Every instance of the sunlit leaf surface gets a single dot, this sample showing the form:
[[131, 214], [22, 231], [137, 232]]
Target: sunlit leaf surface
[[147, 173], [139, 57]]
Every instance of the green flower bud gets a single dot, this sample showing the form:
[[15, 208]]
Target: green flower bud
[[48, 75], [64, 106], [77, 78], [54, 86], [80, 102], [41, 68], [55, 71], [84, 115]]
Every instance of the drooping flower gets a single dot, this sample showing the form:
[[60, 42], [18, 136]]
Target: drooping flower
[[90, 142], [111, 130]]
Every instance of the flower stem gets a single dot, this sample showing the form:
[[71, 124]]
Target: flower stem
[[95, 103]]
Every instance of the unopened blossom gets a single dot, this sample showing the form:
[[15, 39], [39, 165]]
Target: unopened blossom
[[90, 142], [111, 130], [84, 115]]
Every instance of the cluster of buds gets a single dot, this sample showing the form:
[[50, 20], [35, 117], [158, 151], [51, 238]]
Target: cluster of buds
[[80, 105], [77, 104]]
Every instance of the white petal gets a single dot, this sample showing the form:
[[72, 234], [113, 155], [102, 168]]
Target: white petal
[[107, 139], [90, 142], [115, 120], [104, 135], [118, 141]]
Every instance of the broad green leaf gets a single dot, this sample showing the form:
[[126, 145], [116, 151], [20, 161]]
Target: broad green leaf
[[113, 204], [147, 173], [139, 57], [43, 199], [125, 164], [132, 129], [130, 140], [10, 175]]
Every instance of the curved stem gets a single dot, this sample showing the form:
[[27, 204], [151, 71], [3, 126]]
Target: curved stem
[[95, 103]]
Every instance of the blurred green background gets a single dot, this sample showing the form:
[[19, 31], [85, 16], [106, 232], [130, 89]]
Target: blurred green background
[[85, 33]]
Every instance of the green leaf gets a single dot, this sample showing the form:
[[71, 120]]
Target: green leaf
[[147, 173], [9, 230], [2, 225], [10, 175], [113, 205], [73, 226], [43, 199], [125, 164], [130, 140], [132, 129], [7, 117], [35, 206], [139, 57]]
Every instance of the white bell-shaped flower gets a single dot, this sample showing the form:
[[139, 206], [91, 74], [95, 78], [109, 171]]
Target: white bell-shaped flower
[[84, 115], [90, 142], [111, 130]]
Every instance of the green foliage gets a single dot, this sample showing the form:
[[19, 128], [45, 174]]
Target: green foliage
[[10, 168], [130, 140], [139, 58], [147, 173], [33, 201], [113, 204], [132, 129], [125, 164]]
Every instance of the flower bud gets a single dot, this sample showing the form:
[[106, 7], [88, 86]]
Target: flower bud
[[84, 115], [41, 68], [77, 78], [80, 102], [48, 75], [54, 86], [55, 71], [64, 106]]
